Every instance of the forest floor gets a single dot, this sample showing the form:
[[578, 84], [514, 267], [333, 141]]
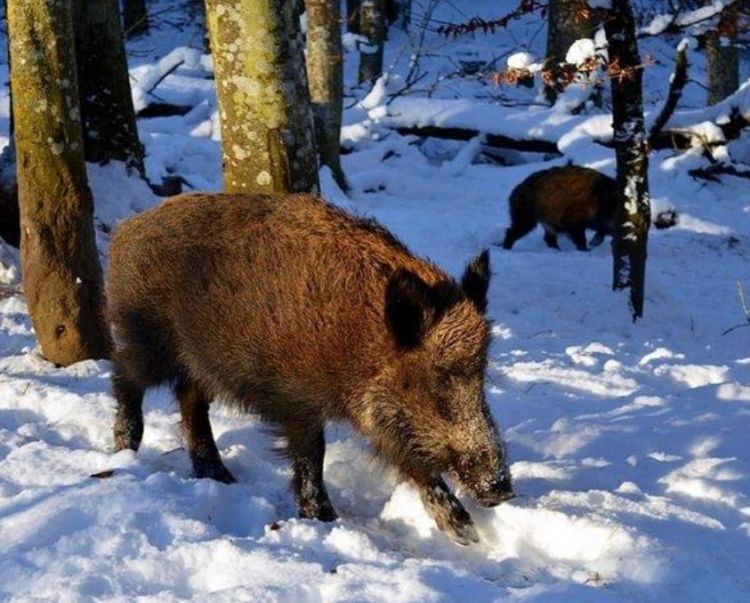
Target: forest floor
[[628, 441]]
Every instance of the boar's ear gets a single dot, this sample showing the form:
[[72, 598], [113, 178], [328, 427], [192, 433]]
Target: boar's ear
[[476, 280], [407, 304]]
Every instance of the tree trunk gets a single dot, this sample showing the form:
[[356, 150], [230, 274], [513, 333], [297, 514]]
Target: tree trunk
[[722, 57], [633, 217], [268, 141], [10, 230], [134, 17], [109, 128], [326, 75], [566, 23], [352, 15], [372, 26], [398, 13], [61, 272]]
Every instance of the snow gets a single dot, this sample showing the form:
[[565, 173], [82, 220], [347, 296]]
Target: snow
[[520, 60], [581, 51], [628, 441]]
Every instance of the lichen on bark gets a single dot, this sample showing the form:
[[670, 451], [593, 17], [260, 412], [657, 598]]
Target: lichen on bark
[[268, 141]]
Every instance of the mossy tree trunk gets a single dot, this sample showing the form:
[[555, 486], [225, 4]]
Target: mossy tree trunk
[[566, 23], [268, 141], [134, 17], [633, 217], [326, 78], [107, 114], [372, 26], [61, 274]]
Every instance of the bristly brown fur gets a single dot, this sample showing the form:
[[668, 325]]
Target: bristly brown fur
[[566, 200], [287, 307]]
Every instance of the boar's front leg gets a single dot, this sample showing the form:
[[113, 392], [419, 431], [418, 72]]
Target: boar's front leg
[[196, 426], [306, 446], [447, 511]]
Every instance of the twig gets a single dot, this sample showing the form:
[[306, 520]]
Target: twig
[[745, 310]]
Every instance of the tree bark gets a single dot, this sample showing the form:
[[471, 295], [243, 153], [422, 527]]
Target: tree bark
[[326, 75], [566, 23], [352, 15], [633, 216], [109, 128], [267, 131], [134, 17], [722, 57], [372, 26], [61, 273]]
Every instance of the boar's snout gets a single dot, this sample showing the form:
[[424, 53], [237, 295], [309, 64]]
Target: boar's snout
[[498, 490]]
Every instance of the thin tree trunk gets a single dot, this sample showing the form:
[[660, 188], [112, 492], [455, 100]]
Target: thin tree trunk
[[352, 15], [10, 230], [135, 17], [268, 141], [722, 57], [633, 217], [566, 23], [372, 26], [61, 273], [109, 128], [326, 75]]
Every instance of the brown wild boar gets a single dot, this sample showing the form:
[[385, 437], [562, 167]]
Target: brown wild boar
[[566, 199], [287, 307]]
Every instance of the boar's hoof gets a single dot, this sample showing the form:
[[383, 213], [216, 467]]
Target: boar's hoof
[[323, 511], [462, 533], [128, 433], [214, 470]]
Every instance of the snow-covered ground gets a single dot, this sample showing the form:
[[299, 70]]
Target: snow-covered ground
[[629, 442]]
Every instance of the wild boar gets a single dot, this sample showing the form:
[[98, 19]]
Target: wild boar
[[567, 200], [286, 307]]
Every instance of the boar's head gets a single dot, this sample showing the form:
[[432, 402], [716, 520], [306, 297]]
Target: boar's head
[[433, 417]]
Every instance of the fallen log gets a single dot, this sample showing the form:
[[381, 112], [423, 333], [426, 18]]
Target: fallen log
[[491, 140]]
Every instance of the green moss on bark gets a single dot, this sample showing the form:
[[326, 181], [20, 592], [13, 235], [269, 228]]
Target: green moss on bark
[[61, 273]]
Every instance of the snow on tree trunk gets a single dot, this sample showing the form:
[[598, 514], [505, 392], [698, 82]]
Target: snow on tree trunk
[[372, 26], [109, 128], [722, 57], [326, 79], [566, 23], [61, 274], [134, 17], [268, 141], [633, 217]]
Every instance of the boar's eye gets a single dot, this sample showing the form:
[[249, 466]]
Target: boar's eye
[[443, 404]]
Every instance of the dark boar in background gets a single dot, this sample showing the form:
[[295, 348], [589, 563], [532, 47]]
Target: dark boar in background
[[566, 200], [284, 306]]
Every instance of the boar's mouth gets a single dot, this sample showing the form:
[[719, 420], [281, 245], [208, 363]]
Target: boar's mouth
[[487, 492]]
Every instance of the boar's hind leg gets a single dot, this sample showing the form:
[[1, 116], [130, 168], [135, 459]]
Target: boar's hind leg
[[520, 227], [448, 512], [306, 447], [128, 429], [550, 238], [578, 236], [197, 429]]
